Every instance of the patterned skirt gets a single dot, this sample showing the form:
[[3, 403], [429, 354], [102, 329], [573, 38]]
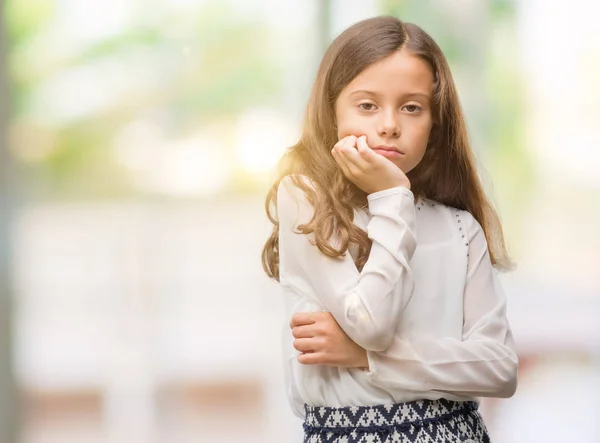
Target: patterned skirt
[[425, 421]]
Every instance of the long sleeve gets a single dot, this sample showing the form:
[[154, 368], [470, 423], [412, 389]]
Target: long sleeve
[[483, 364], [363, 303], [292, 394]]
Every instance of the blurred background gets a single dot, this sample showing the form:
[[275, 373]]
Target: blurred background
[[138, 139]]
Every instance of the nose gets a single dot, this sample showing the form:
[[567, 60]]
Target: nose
[[389, 125]]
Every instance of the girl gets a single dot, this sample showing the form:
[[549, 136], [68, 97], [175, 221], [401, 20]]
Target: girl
[[385, 245]]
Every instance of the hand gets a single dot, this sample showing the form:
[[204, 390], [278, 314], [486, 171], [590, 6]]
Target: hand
[[322, 342], [368, 170]]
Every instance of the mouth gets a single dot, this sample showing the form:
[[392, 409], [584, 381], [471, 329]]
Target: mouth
[[388, 150]]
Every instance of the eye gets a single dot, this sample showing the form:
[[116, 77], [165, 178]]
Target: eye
[[412, 109], [367, 107]]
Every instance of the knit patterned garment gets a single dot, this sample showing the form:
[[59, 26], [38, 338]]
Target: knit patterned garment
[[426, 421]]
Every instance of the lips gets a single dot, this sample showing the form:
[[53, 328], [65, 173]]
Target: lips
[[388, 149]]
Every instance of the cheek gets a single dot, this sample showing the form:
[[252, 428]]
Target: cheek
[[420, 135], [417, 140], [349, 123], [344, 130]]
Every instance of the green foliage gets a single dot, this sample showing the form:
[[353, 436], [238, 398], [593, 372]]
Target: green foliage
[[25, 18], [186, 69]]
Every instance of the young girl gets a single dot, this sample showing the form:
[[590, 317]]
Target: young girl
[[385, 245]]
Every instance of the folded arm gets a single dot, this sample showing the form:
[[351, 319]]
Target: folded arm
[[483, 363], [363, 303]]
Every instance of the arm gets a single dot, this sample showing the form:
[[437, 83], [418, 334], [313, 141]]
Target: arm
[[484, 363], [362, 302]]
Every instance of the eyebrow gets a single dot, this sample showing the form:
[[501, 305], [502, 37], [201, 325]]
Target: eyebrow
[[375, 94]]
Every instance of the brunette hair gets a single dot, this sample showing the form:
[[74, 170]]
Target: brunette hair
[[447, 173]]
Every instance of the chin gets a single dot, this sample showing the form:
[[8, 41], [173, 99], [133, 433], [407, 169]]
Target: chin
[[399, 166]]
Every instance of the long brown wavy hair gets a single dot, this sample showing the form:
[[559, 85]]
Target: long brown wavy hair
[[447, 172]]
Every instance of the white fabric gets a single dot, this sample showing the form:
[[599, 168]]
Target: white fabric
[[427, 305]]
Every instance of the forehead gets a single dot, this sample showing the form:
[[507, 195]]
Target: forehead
[[401, 72]]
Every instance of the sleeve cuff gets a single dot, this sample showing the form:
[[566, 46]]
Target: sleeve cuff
[[391, 191]]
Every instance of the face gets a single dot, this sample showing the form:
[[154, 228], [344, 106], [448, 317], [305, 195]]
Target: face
[[390, 103]]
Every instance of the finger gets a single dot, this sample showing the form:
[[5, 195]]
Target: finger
[[340, 159], [361, 143], [323, 319], [363, 148], [322, 323], [313, 358], [322, 315], [305, 344], [350, 142], [302, 318], [346, 141], [343, 144], [353, 159], [342, 141], [304, 331]]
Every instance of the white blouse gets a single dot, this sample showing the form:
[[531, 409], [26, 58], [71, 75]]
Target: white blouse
[[427, 305]]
